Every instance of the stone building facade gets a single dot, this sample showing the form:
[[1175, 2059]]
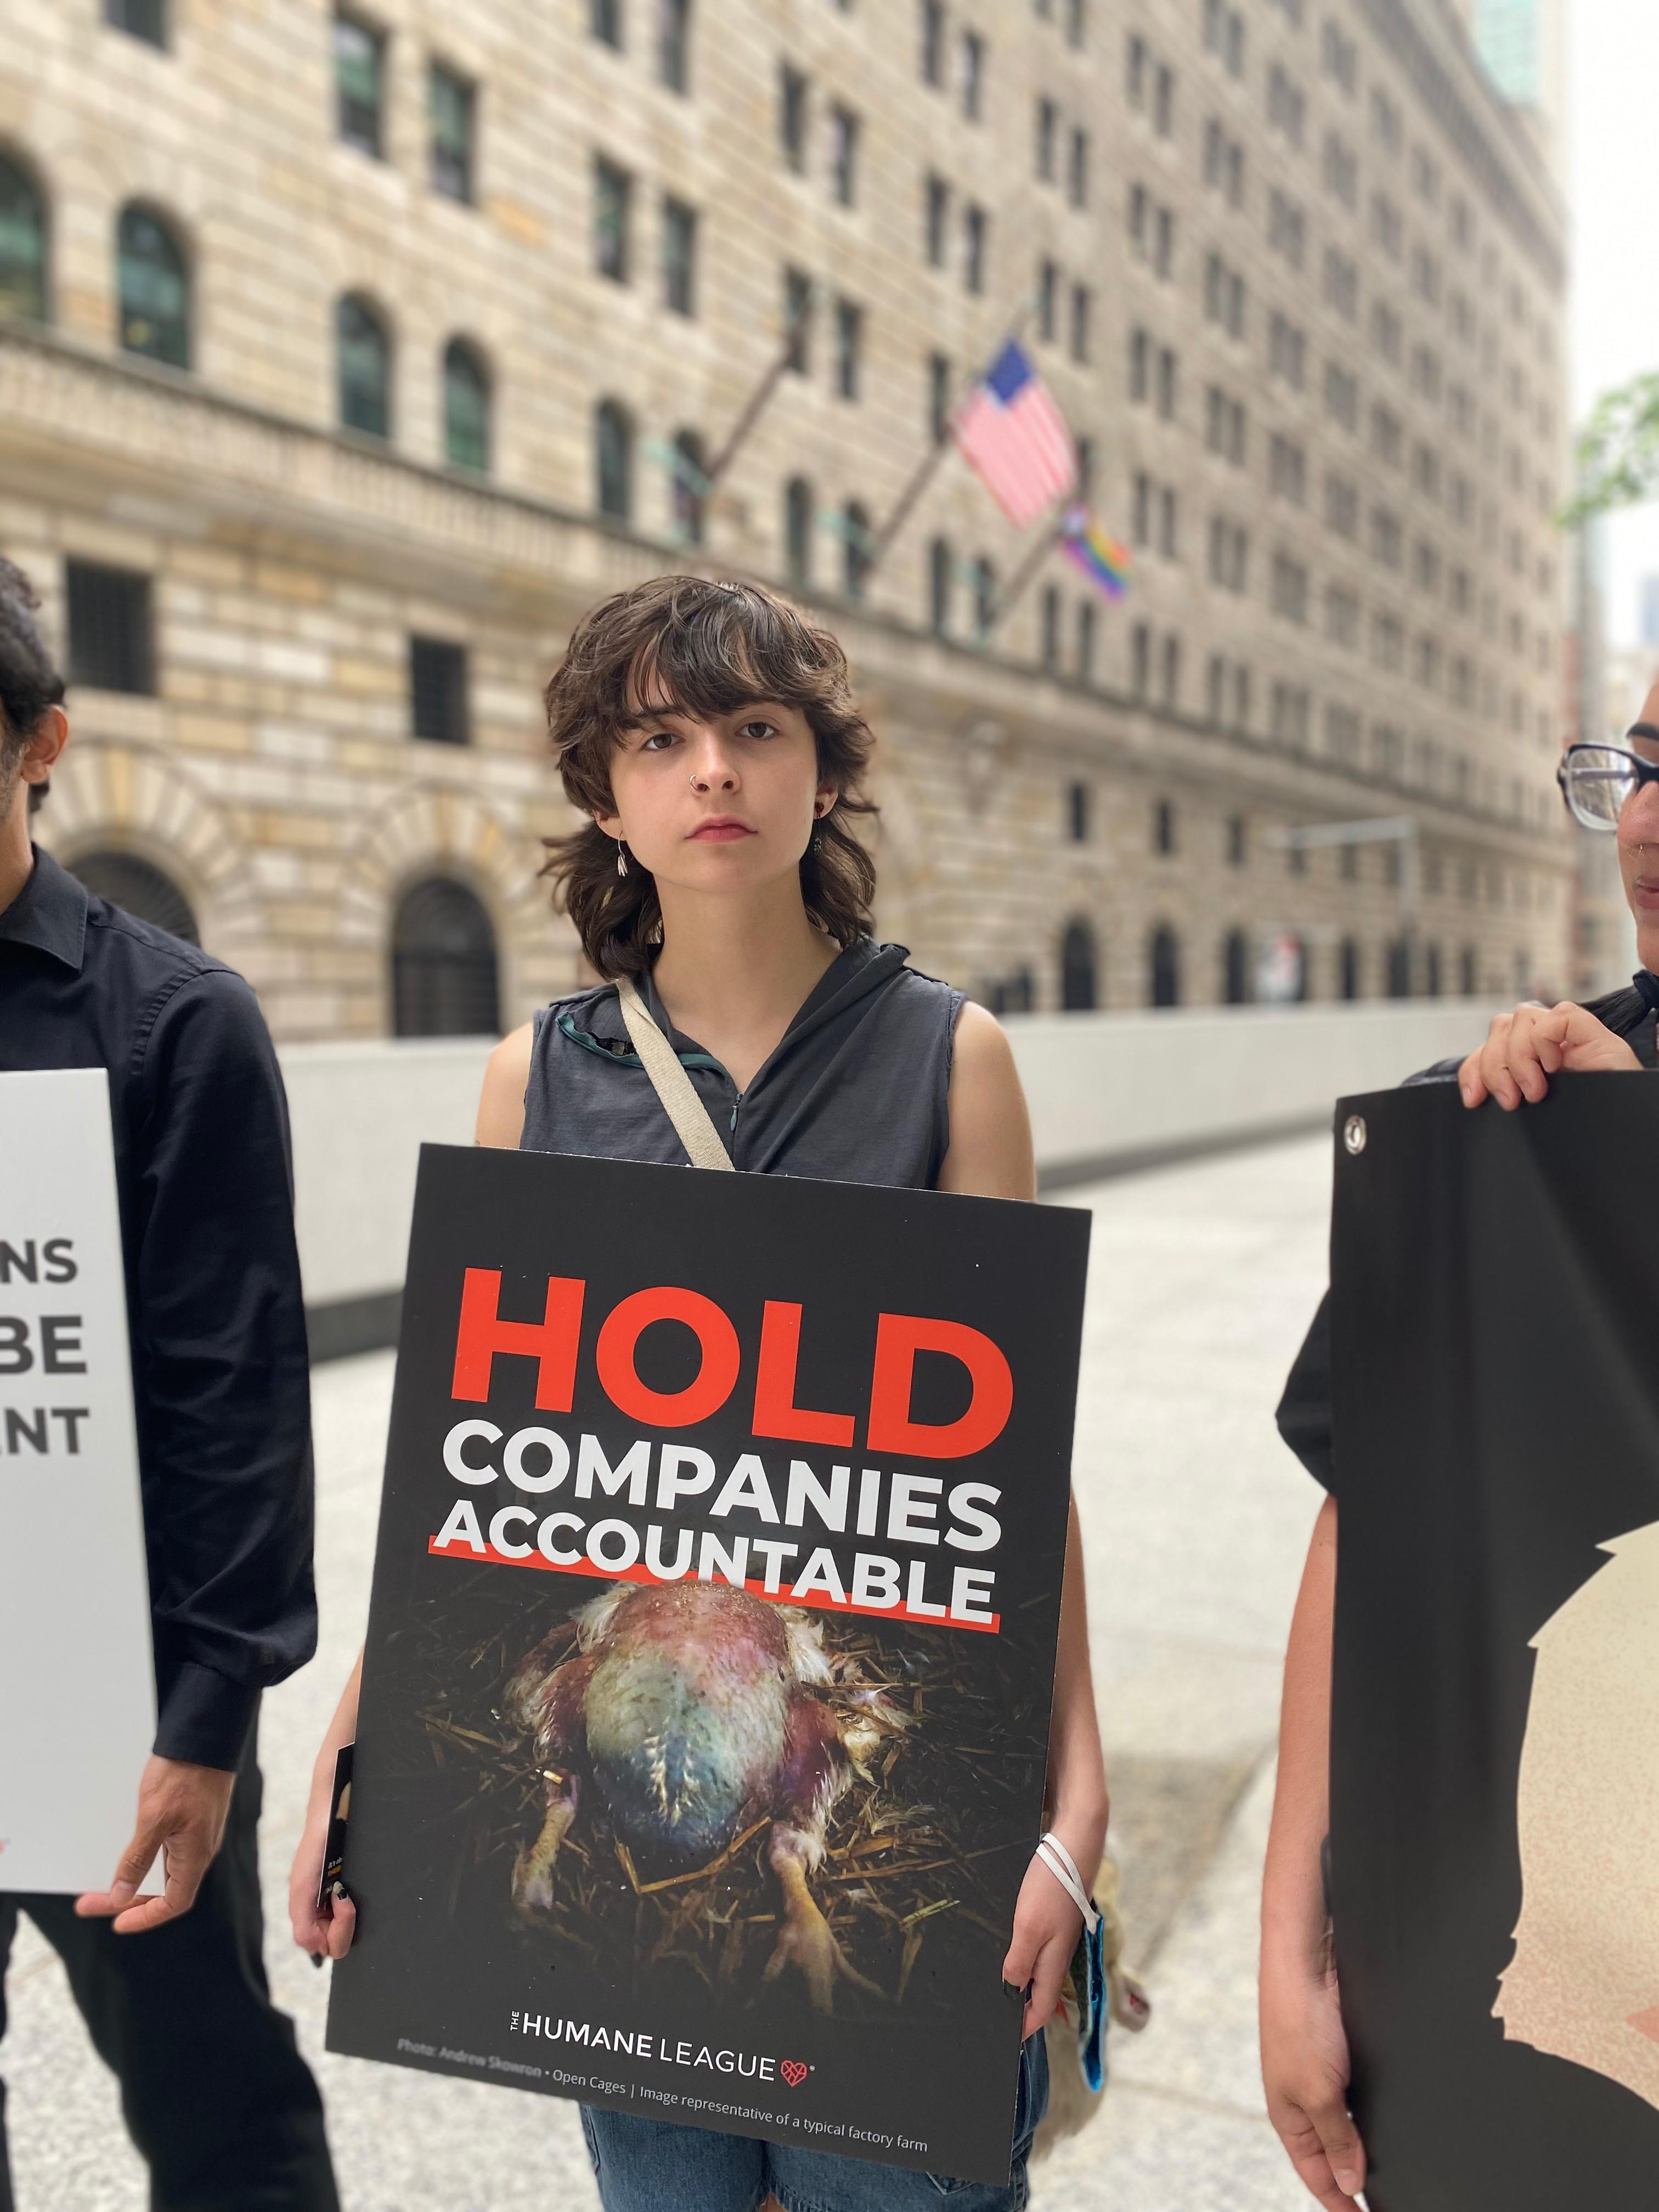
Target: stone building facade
[[345, 357]]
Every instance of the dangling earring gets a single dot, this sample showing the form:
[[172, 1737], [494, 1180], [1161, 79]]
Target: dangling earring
[[622, 858]]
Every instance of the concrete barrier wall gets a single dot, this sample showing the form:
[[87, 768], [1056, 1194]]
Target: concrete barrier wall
[[1108, 1091]]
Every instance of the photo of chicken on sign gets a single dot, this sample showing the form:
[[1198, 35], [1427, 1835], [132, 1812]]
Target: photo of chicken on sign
[[706, 1695]]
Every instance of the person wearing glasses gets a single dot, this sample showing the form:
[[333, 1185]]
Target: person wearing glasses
[[1304, 2050]]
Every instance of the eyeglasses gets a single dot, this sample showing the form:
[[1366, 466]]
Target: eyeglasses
[[1595, 780]]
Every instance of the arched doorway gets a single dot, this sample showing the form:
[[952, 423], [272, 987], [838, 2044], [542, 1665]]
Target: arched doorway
[[138, 889], [1236, 968], [1348, 984], [445, 979], [1078, 983]]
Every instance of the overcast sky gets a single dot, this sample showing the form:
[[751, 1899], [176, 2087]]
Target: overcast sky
[[1613, 149]]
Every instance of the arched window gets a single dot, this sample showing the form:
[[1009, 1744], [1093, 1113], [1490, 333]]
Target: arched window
[[855, 522], [941, 585], [1164, 976], [139, 889], [798, 517], [985, 598], [613, 460], [444, 980], [1236, 968], [1431, 970], [153, 288], [22, 244], [1348, 981], [363, 361], [1400, 969], [1077, 968], [1469, 972], [690, 489], [466, 407]]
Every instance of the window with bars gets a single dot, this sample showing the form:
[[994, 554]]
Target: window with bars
[[112, 636], [451, 106], [437, 706], [139, 888], [359, 83], [445, 979]]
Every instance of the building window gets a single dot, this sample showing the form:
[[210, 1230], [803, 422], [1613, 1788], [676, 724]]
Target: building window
[[1077, 812], [452, 103], [798, 319], [792, 96], [1172, 671], [799, 515], [154, 285], [139, 19], [940, 385], [849, 348], [1050, 626], [613, 190], [679, 258], [1348, 969], [1048, 302], [466, 407], [844, 155], [605, 22], [1469, 972], [613, 456], [437, 691], [984, 592], [1076, 22], [359, 84], [362, 368], [933, 41], [1047, 131], [1085, 640], [937, 204], [1236, 969], [1400, 969], [688, 489], [1163, 827], [859, 549], [941, 585], [444, 980], [1077, 170], [1081, 304], [1140, 658], [138, 889], [112, 636], [1164, 965], [674, 44], [1236, 846], [23, 244], [973, 75], [1076, 966], [976, 227], [1164, 102]]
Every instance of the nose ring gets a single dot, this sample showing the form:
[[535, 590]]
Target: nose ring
[[694, 783]]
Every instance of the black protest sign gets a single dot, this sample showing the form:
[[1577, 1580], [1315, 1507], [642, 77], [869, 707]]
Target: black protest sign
[[706, 1695], [1495, 1730]]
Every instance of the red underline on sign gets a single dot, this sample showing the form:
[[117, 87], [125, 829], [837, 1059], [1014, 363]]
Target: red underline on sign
[[820, 1600]]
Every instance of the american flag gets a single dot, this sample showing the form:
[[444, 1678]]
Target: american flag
[[1014, 438]]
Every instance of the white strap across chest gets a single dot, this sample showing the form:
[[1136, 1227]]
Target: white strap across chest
[[693, 1125]]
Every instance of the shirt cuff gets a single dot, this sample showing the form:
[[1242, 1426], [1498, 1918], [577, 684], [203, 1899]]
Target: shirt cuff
[[205, 1717]]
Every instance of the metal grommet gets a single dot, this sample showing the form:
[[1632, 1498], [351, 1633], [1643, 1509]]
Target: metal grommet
[[1354, 1132]]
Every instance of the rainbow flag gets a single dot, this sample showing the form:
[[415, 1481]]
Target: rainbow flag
[[1101, 559]]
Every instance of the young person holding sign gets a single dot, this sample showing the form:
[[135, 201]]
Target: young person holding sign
[[708, 731], [1304, 2044], [165, 1965]]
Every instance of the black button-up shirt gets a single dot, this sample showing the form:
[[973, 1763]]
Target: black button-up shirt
[[220, 1374]]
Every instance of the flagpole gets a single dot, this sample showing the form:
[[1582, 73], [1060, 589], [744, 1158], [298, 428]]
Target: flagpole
[[922, 474], [1048, 538], [793, 339]]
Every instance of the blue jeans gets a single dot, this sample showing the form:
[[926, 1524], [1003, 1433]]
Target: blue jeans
[[651, 2165]]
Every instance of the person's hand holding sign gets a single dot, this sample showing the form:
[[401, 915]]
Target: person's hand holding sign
[[181, 1816], [1524, 1049]]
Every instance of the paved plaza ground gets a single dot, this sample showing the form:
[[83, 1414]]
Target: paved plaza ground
[[1195, 1519]]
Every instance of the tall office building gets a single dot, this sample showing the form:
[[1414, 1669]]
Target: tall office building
[[346, 356]]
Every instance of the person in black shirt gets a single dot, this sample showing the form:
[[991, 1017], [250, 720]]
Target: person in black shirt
[[1304, 2050], [172, 1984]]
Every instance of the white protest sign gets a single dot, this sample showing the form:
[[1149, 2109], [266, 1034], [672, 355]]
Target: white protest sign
[[77, 1694]]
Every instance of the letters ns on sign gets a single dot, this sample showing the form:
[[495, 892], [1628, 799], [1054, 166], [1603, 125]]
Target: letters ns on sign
[[553, 1343]]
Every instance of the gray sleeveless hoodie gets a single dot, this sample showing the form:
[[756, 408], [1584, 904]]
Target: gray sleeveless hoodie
[[856, 1090]]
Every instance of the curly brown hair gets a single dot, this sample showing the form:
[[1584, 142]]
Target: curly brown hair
[[711, 647]]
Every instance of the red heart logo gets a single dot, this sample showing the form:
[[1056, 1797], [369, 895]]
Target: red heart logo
[[792, 2071]]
